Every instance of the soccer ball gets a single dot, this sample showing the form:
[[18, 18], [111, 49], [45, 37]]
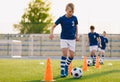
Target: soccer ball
[[101, 61], [76, 72], [89, 62]]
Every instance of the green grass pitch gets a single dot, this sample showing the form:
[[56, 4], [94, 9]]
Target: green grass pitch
[[26, 70]]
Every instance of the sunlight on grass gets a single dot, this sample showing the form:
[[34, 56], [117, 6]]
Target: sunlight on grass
[[20, 70]]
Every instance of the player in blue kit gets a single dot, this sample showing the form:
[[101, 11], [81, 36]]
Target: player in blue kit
[[68, 37], [103, 42], [93, 39]]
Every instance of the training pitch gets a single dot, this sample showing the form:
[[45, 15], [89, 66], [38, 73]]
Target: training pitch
[[31, 70]]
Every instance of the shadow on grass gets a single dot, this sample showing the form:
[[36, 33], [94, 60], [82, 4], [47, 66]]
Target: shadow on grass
[[101, 74], [70, 79], [33, 81], [95, 75]]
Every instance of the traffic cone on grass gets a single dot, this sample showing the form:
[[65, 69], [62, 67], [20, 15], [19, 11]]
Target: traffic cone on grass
[[48, 72], [85, 67], [97, 64]]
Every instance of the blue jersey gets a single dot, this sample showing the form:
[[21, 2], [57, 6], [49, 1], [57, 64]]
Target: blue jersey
[[104, 40], [68, 26], [93, 38]]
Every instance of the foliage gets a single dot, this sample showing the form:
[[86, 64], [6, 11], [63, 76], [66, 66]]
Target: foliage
[[36, 18]]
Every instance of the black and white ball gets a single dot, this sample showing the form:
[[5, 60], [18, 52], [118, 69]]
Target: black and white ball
[[76, 72], [89, 62]]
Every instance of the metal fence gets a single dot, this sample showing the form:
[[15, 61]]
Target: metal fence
[[40, 45]]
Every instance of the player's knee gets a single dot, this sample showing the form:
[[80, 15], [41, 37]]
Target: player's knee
[[71, 54]]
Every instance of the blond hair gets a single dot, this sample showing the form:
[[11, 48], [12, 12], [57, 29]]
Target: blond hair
[[71, 5]]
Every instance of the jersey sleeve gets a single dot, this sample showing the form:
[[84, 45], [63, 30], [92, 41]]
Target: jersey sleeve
[[76, 21], [58, 21], [97, 35], [106, 40]]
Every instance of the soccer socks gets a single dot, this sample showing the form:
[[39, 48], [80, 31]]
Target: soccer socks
[[69, 60], [92, 56], [63, 63], [102, 56], [94, 59]]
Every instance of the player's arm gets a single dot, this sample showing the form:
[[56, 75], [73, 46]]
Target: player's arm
[[58, 21], [77, 36], [51, 31], [99, 40]]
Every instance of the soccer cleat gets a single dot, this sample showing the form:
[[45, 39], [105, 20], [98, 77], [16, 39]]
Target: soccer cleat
[[66, 70], [62, 76], [63, 73], [101, 61]]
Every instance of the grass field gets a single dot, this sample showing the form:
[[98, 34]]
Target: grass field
[[21, 70]]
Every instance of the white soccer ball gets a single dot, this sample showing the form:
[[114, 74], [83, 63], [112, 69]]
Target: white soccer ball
[[101, 61], [89, 62], [76, 72]]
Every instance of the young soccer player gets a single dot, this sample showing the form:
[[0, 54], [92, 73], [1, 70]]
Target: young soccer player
[[69, 35], [103, 42], [93, 39]]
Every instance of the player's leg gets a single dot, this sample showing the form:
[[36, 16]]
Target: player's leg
[[70, 54], [103, 53], [102, 56], [99, 54], [64, 48], [69, 60], [93, 50], [94, 56], [63, 61]]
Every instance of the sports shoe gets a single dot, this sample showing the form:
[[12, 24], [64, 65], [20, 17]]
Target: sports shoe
[[101, 61], [66, 70], [63, 73]]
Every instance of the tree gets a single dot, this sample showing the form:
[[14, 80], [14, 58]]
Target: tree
[[36, 18]]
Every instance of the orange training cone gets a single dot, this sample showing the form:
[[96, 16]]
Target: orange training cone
[[70, 68], [48, 72], [97, 64], [84, 67]]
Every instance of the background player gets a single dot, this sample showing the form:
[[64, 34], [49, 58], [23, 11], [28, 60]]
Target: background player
[[103, 42], [93, 39]]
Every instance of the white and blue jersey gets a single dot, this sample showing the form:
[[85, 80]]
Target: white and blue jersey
[[93, 38], [104, 40], [68, 26]]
